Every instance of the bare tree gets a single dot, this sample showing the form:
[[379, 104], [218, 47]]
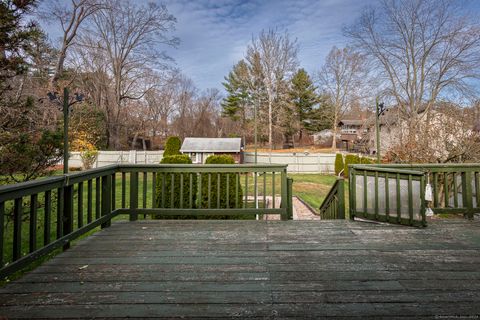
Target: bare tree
[[70, 16], [161, 103], [274, 55], [341, 79], [425, 51], [130, 37]]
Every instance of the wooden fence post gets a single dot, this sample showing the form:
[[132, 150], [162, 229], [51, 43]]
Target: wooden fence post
[[290, 198], [106, 198], [341, 199], [67, 212], [467, 193], [284, 203], [133, 194]]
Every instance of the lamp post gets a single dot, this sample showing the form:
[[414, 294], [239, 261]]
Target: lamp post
[[65, 130], [66, 111], [256, 151], [379, 109]]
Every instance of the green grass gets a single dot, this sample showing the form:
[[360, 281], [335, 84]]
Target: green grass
[[311, 188]]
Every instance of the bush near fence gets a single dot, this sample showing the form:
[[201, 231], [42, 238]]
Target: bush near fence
[[220, 159], [177, 159]]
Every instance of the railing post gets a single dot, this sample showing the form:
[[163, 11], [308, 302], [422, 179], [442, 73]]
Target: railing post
[[2, 230], [341, 199], [352, 196], [284, 203], [17, 229], [67, 212], [290, 198], [106, 198], [467, 193], [133, 194]]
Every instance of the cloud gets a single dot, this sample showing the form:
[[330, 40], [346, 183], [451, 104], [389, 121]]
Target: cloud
[[214, 34]]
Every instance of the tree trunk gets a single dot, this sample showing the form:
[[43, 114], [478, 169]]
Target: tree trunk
[[334, 138], [134, 141], [58, 67]]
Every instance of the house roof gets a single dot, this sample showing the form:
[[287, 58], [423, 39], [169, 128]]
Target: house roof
[[352, 122], [211, 145]]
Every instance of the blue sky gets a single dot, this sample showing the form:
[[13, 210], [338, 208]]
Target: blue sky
[[214, 34]]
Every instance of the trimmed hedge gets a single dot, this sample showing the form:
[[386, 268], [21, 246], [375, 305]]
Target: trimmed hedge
[[177, 159], [366, 160], [350, 159], [355, 159], [339, 164], [220, 159], [172, 147]]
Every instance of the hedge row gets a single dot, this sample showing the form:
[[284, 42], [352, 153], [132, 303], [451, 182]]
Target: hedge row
[[339, 163], [177, 159], [220, 159], [355, 159], [172, 146]]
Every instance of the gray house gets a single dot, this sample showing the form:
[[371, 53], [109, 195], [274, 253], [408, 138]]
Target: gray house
[[200, 148]]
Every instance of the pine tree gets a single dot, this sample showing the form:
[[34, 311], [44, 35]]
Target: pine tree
[[236, 103], [306, 102]]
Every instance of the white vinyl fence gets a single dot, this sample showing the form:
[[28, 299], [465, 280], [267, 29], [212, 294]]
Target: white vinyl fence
[[106, 158], [299, 162]]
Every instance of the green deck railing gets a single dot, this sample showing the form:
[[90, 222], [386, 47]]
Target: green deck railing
[[455, 187], [333, 207], [387, 194], [40, 216]]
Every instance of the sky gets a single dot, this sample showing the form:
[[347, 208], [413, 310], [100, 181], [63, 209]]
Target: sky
[[214, 34]]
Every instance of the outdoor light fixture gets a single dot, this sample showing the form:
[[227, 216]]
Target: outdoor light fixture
[[53, 96]]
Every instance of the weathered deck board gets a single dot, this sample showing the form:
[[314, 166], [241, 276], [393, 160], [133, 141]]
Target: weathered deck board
[[257, 269]]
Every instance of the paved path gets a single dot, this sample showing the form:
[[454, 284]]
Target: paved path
[[300, 210], [259, 270]]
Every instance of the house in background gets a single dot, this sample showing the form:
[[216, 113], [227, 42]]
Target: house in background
[[351, 131], [200, 148]]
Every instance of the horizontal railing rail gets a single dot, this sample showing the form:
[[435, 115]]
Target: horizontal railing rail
[[216, 190], [333, 206], [388, 194], [38, 217]]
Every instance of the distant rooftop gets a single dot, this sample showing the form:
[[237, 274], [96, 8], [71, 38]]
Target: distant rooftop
[[211, 145], [352, 122]]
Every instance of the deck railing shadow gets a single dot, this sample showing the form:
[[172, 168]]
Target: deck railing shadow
[[38, 217]]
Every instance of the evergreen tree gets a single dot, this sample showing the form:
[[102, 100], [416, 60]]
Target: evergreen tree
[[305, 101], [238, 101], [27, 147]]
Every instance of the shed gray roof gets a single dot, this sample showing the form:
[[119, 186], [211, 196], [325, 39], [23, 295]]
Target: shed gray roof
[[211, 145]]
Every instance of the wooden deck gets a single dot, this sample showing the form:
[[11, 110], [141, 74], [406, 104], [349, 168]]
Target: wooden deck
[[257, 269]]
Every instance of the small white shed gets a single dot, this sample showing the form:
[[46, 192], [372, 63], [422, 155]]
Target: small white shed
[[200, 148]]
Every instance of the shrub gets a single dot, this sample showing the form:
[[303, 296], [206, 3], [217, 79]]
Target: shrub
[[366, 160], [172, 147], [349, 159], [177, 159], [220, 159], [339, 165], [88, 158]]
